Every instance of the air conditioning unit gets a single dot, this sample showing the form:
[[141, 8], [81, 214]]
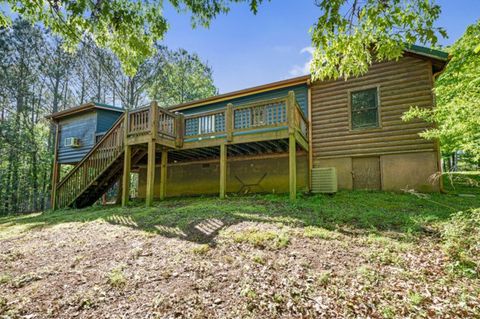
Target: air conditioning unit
[[324, 180], [72, 142]]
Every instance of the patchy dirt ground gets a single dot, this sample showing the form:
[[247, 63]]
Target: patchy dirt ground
[[221, 266]]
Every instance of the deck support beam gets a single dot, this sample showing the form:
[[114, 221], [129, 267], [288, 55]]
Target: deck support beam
[[292, 146], [127, 163], [223, 170], [56, 169], [163, 174], [118, 199], [150, 173], [292, 166]]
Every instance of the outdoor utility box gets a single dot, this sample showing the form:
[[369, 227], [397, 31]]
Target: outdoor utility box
[[81, 127], [324, 180]]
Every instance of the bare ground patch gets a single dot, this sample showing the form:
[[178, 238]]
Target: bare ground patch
[[227, 268]]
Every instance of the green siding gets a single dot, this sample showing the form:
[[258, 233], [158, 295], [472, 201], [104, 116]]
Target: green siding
[[301, 94], [105, 120]]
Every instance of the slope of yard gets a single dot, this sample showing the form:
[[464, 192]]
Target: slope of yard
[[355, 254]]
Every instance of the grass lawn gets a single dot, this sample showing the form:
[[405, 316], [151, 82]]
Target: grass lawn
[[354, 254]]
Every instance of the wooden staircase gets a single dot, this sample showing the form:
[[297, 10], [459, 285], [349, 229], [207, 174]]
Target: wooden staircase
[[97, 171]]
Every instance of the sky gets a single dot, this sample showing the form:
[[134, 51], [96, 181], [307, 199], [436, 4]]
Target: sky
[[246, 50]]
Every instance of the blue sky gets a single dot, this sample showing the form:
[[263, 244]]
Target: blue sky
[[245, 50]]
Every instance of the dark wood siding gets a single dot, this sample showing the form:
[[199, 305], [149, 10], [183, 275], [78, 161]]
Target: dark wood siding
[[401, 84]]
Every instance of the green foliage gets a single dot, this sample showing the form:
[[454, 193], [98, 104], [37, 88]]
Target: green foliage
[[457, 113], [180, 77], [348, 37], [461, 241], [37, 78], [116, 277], [24, 133], [318, 232], [128, 28], [201, 249], [261, 238], [259, 259], [462, 182]]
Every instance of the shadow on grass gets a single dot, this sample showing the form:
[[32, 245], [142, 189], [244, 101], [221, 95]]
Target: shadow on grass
[[200, 219]]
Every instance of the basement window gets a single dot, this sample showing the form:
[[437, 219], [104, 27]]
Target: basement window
[[364, 109]]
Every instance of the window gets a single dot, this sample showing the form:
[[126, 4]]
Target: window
[[72, 142], [364, 109]]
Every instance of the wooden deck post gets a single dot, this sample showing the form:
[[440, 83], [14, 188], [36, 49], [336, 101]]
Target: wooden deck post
[[229, 122], [180, 129], [163, 174], [292, 166], [223, 170], [56, 170], [127, 162], [150, 173], [292, 146], [118, 199], [150, 187], [127, 158], [154, 120]]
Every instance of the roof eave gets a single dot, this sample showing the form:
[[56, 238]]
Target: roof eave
[[240, 93], [79, 109]]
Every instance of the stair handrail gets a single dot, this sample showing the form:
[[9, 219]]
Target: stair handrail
[[118, 124]]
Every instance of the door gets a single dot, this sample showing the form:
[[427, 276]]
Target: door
[[366, 173]]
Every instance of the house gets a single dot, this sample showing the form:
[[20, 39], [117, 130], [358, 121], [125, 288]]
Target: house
[[270, 139]]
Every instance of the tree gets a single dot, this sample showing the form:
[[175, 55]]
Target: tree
[[350, 35], [180, 77], [457, 114], [129, 28], [20, 73], [37, 77]]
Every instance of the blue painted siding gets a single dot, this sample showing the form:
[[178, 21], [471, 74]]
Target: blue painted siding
[[105, 120], [82, 126], [301, 94], [88, 127]]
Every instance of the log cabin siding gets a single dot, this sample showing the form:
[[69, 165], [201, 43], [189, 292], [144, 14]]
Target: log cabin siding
[[401, 84]]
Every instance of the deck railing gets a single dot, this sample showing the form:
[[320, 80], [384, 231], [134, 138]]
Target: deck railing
[[221, 122], [207, 123], [100, 157], [265, 113], [139, 121], [167, 123], [301, 121]]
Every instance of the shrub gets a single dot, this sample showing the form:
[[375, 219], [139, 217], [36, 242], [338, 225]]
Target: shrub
[[462, 241]]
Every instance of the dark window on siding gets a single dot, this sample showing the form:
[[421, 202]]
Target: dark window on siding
[[364, 108]]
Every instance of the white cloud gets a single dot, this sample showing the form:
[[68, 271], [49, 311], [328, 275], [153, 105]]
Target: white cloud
[[298, 70]]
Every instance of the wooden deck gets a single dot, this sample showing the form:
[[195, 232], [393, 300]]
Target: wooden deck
[[277, 122], [254, 122]]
